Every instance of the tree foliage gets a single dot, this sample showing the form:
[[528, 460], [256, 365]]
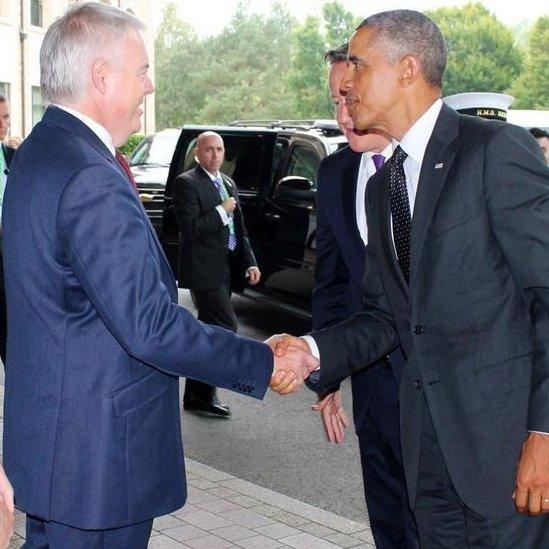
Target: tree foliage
[[269, 66], [531, 89], [482, 55]]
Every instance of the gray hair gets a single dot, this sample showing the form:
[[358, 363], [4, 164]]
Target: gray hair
[[408, 32], [70, 43], [337, 55]]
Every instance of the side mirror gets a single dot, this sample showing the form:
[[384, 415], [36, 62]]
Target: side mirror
[[295, 188]]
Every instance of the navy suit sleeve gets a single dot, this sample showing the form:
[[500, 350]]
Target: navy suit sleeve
[[516, 186], [192, 222], [331, 300], [106, 238]]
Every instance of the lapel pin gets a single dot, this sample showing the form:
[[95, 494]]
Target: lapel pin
[[439, 165]]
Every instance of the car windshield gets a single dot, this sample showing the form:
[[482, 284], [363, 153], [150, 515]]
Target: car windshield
[[156, 150]]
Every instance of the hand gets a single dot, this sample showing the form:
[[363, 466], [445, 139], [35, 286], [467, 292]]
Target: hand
[[280, 343], [229, 205], [531, 493], [291, 369], [334, 416], [254, 274], [6, 509]]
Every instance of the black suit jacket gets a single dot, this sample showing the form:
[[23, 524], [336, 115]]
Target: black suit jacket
[[204, 259], [474, 320], [8, 154], [340, 264]]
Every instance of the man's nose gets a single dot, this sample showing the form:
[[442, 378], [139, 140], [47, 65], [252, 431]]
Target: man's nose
[[346, 79]]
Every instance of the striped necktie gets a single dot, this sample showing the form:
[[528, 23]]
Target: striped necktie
[[224, 195]]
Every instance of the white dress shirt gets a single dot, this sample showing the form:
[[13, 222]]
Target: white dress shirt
[[221, 210], [366, 170]]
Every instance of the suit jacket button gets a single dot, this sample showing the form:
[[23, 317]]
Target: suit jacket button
[[418, 329], [417, 384]]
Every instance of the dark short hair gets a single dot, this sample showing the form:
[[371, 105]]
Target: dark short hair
[[538, 133], [409, 32], [337, 55], [3, 98]]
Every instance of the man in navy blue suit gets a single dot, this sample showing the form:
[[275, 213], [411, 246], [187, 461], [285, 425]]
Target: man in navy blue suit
[[92, 439], [342, 235]]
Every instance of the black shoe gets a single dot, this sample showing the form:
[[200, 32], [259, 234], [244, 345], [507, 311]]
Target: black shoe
[[208, 409]]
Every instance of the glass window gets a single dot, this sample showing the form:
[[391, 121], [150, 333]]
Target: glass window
[[36, 13], [156, 150], [5, 89], [304, 162], [244, 157], [37, 105]]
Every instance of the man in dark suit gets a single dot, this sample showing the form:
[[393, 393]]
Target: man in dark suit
[[6, 155], [341, 238], [457, 272], [92, 427], [215, 254]]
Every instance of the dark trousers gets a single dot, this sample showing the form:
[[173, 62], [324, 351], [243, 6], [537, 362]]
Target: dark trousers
[[214, 307], [52, 535], [390, 516], [444, 521]]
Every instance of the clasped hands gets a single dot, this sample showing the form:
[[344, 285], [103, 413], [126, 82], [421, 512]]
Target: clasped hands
[[287, 380]]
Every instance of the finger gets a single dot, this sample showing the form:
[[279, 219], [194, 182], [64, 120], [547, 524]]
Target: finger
[[545, 502], [328, 426], [534, 506], [521, 499], [293, 387], [277, 378], [344, 417], [336, 427]]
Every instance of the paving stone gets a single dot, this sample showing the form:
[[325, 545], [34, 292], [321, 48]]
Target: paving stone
[[306, 541], [289, 519], [218, 506], [189, 508], [317, 530], [267, 510], [209, 542], [247, 518], [202, 483], [221, 492], [343, 540], [184, 532], [196, 495], [365, 535], [233, 533], [259, 542], [167, 521], [243, 501], [204, 471], [16, 542], [164, 542], [208, 521], [277, 530]]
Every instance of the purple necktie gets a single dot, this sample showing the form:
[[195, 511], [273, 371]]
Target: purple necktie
[[379, 160]]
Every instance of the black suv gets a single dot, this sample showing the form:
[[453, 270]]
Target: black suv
[[274, 165]]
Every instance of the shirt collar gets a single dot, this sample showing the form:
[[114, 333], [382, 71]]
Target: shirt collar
[[415, 140], [94, 126], [211, 175]]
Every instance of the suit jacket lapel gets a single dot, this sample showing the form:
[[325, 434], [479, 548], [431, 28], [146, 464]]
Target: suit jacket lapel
[[208, 184], [350, 187], [437, 161]]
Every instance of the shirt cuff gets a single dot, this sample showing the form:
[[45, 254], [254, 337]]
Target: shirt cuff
[[539, 433], [223, 214], [313, 346]]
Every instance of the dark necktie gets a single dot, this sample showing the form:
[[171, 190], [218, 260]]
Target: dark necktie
[[125, 166], [379, 160], [400, 210]]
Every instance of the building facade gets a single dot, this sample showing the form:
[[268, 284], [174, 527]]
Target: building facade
[[23, 24]]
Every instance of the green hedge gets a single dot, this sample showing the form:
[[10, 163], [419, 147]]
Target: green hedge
[[130, 144]]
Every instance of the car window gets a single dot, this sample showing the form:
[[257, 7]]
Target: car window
[[157, 150], [244, 156], [304, 162]]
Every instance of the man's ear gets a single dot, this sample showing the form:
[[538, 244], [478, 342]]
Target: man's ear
[[100, 71], [408, 71]]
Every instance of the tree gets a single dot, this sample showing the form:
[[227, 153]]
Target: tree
[[177, 49], [307, 77], [531, 88], [339, 24], [482, 55]]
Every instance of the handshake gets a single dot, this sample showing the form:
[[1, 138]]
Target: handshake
[[293, 363]]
